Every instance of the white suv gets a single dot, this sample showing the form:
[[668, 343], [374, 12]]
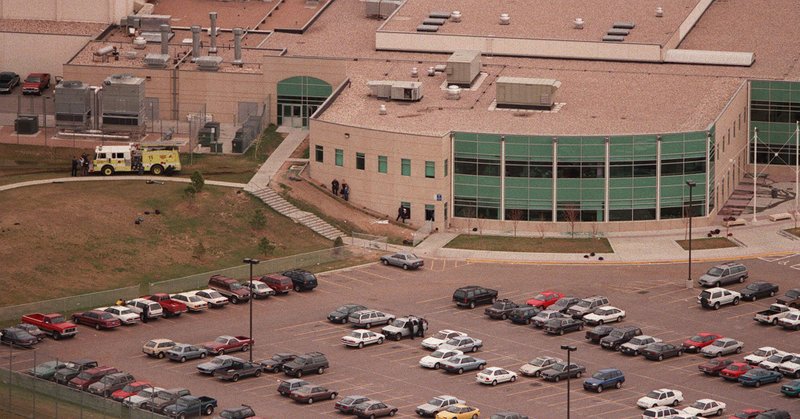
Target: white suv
[[716, 297], [137, 305]]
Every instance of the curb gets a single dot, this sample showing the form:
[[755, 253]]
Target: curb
[[617, 263]]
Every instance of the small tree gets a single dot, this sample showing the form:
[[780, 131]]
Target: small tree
[[572, 215], [480, 222], [265, 246], [189, 192], [595, 230], [469, 214], [338, 244], [515, 215], [199, 250], [259, 220], [197, 181]]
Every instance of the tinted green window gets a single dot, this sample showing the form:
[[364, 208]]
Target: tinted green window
[[318, 153], [446, 167], [339, 157], [383, 164], [430, 169], [405, 167], [360, 161]]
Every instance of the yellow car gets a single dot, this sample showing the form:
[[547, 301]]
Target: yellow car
[[459, 411]]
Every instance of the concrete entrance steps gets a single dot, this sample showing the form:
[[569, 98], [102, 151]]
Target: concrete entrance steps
[[282, 206]]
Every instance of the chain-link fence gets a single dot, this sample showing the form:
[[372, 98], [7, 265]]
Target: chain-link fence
[[369, 241], [27, 390], [253, 119], [68, 305]]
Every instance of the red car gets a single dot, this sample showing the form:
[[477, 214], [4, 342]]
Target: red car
[[97, 319], [733, 371], [544, 299], [90, 376], [172, 308], [746, 414], [226, 344], [35, 83], [699, 341], [714, 366], [130, 390], [281, 284]]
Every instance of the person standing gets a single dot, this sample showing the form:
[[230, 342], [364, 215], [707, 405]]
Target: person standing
[[74, 166], [346, 191], [410, 325], [145, 313], [335, 187], [400, 214], [85, 164]]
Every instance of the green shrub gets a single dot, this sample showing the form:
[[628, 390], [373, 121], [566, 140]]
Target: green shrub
[[197, 181], [259, 220]]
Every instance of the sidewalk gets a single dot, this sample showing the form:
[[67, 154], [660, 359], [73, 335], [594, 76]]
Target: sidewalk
[[278, 157]]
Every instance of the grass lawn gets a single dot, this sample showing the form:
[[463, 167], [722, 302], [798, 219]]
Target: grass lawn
[[531, 244], [20, 163], [707, 243], [72, 238]]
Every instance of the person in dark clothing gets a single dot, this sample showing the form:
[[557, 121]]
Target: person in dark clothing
[[412, 332], [74, 166], [400, 213], [145, 314], [346, 191], [421, 329], [335, 187]]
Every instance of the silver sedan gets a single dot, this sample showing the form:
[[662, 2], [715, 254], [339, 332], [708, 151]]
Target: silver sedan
[[404, 260]]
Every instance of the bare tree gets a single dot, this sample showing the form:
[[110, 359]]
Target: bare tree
[[540, 229], [515, 215], [595, 230], [480, 222], [572, 215], [469, 214]]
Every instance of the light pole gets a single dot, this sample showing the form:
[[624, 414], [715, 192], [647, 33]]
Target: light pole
[[691, 184], [570, 349], [251, 262]]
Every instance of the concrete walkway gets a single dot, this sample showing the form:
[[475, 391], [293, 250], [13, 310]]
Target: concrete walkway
[[110, 178], [268, 170]]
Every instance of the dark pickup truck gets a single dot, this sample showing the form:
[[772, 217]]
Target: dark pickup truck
[[165, 398], [191, 407], [238, 370]]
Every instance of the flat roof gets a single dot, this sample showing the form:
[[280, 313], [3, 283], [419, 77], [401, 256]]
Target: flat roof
[[290, 14], [548, 19], [52, 27]]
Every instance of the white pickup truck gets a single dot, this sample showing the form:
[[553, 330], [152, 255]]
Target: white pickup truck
[[772, 314]]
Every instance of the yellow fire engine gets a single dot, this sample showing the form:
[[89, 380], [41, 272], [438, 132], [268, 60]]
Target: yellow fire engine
[[156, 158]]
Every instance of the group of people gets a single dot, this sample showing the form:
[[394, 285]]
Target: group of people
[[80, 166], [345, 189], [418, 324]]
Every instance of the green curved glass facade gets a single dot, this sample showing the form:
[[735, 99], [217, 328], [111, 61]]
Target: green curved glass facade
[[298, 99]]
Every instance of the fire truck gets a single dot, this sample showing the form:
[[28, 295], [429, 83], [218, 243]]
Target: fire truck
[[156, 158]]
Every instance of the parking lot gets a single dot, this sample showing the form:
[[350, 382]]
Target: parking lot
[[654, 297]]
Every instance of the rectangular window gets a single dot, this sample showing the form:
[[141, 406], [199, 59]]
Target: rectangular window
[[318, 153], [430, 169], [339, 157], [383, 164], [405, 167], [360, 161], [446, 167], [406, 205], [429, 212]]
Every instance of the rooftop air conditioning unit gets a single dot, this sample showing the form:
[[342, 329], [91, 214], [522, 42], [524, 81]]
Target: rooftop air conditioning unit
[[208, 63], [463, 68], [396, 90], [526, 93], [156, 60]]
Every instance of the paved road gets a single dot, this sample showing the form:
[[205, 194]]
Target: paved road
[[653, 295]]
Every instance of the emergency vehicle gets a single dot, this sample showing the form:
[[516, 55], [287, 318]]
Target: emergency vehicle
[[156, 158]]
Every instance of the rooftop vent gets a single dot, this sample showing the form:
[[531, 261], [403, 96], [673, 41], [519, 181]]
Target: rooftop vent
[[382, 110], [439, 15], [505, 19], [659, 12], [578, 23], [434, 21], [455, 16], [212, 32], [624, 25], [453, 92], [463, 67], [165, 34], [156, 60], [431, 72], [380, 9], [526, 93], [237, 46], [195, 42], [208, 63], [427, 28], [103, 53], [139, 42], [396, 90], [414, 72], [130, 55]]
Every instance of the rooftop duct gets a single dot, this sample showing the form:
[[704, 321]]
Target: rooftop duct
[[237, 46], [165, 29], [212, 32], [526, 93], [195, 42], [396, 90], [208, 63]]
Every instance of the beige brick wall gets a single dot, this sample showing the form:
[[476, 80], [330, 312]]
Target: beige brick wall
[[731, 138], [100, 11], [25, 53]]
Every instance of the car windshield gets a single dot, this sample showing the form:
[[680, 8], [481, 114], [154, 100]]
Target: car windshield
[[752, 287], [760, 352], [499, 304], [584, 304], [33, 79], [775, 358], [164, 395], [440, 336], [129, 388], [714, 272], [218, 361], [637, 341], [793, 293], [599, 376], [538, 362], [57, 319], [151, 344], [540, 297], [698, 405], [148, 392], [214, 294], [84, 376], [438, 354], [734, 367], [221, 340], [654, 394], [5, 77], [616, 334], [398, 323], [235, 286], [453, 342], [436, 402], [719, 343], [559, 367]]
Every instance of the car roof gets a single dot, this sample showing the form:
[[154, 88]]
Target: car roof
[[726, 340], [717, 289], [728, 264], [609, 370], [160, 340]]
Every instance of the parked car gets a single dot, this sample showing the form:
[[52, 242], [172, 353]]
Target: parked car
[[791, 321], [139, 399], [541, 318], [760, 289], [473, 295], [636, 344], [758, 376], [88, 377], [435, 359], [773, 314], [275, 364], [436, 405], [660, 351], [374, 409], [368, 318], [217, 364], [361, 337], [559, 371], [440, 337], [544, 299], [312, 393], [564, 303], [33, 330], [619, 336], [241, 412], [404, 327], [790, 298], [158, 347], [52, 324], [587, 305], [774, 414], [714, 366], [791, 389], [605, 314], [306, 363], [660, 397], [603, 379], [347, 404], [191, 301], [170, 307], [129, 390], [230, 288], [259, 289], [47, 370], [8, 81], [460, 363], [716, 297], [35, 83], [500, 309], [279, 283], [705, 407], [508, 415], [535, 367], [341, 314], [459, 411], [462, 343], [182, 352], [239, 369], [791, 367], [165, 398], [302, 280], [598, 332], [191, 407], [285, 387], [561, 326], [226, 344], [775, 360], [404, 260], [111, 383], [726, 273], [17, 337], [734, 370], [495, 375], [660, 412], [97, 319], [699, 341], [746, 414], [137, 306], [760, 354], [125, 315], [212, 297], [723, 346], [72, 369], [523, 315]]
